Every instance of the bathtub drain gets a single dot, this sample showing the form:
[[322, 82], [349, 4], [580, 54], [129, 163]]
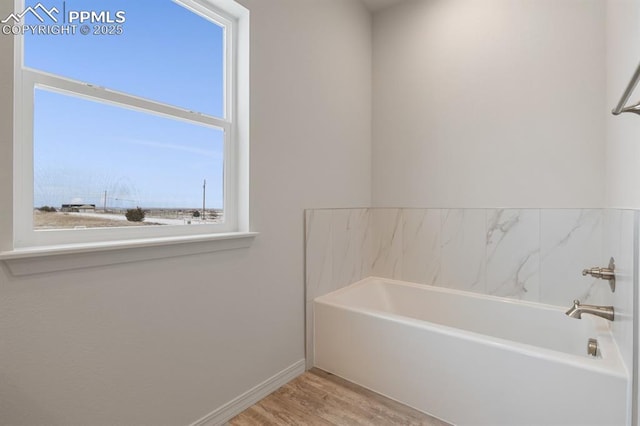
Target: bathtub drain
[[592, 347]]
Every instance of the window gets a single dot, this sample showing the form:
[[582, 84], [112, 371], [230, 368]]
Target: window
[[138, 108]]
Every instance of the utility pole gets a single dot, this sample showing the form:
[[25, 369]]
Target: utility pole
[[105, 200], [204, 196]]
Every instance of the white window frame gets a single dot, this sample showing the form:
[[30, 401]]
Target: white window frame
[[234, 20]]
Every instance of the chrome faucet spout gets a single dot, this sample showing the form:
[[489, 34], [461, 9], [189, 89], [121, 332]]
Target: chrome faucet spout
[[574, 311], [577, 310]]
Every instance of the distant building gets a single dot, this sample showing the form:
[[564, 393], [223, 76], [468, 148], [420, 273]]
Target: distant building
[[78, 208]]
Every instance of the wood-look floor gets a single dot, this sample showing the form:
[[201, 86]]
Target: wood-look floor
[[320, 398]]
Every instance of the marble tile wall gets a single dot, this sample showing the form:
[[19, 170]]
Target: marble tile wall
[[529, 254]]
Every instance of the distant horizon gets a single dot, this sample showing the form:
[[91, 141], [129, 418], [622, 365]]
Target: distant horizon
[[101, 208]]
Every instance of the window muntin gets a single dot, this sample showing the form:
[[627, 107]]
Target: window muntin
[[235, 161], [166, 53]]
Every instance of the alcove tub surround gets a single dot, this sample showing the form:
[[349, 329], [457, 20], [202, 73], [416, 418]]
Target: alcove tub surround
[[527, 254]]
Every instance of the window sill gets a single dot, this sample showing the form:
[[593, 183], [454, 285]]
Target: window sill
[[39, 260]]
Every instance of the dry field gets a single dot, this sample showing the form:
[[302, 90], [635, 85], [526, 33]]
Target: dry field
[[58, 220]]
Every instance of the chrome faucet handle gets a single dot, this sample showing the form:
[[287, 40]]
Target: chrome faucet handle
[[603, 273], [598, 272]]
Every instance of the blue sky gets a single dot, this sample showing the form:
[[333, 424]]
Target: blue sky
[[83, 148]]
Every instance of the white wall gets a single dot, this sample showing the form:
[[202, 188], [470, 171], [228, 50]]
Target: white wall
[[168, 341], [623, 131], [496, 103]]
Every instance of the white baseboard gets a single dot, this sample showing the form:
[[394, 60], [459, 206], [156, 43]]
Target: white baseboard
[[247, 399]]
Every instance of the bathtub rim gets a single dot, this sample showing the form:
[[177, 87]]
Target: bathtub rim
[[610, 364]]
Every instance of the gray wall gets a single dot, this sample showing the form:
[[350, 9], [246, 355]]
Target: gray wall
[[169, 341], [496, 103]]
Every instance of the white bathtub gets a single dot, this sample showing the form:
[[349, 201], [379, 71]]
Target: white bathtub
[[470, 359]]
